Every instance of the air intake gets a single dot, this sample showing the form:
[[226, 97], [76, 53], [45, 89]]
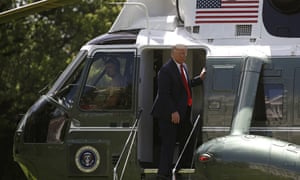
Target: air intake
[[243, 30]]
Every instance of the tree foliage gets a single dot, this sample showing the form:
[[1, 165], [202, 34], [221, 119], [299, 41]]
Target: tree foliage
[[35, 49]]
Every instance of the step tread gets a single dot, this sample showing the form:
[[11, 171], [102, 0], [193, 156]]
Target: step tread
[[181, 171]]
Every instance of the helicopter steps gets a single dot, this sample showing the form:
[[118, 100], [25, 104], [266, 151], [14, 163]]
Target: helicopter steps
[[151, 173]]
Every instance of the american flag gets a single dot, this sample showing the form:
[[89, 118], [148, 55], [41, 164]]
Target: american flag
[[226, 11]]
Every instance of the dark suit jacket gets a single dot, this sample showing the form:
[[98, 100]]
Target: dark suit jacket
[[171, 94]]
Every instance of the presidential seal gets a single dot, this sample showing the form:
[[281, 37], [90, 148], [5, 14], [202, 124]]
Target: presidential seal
[[87, 159]]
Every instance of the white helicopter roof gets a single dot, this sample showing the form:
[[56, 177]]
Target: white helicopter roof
[[232, 26]]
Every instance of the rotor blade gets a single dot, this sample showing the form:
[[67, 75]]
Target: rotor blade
[[32, 8]]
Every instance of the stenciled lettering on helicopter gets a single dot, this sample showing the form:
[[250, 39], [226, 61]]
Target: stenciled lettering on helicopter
[[87, 159]]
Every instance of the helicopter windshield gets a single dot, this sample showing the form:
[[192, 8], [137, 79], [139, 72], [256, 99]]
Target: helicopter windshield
[[46, 119], [66, 86]]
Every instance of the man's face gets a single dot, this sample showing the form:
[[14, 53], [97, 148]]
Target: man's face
[[110, 69], [179, 55]]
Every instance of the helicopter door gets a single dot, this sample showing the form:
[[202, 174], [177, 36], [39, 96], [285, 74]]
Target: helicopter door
[[105, 113]]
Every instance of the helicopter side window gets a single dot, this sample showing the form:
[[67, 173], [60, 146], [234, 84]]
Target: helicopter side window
[[269, 104], [108, 85], [268, 110], [274, 102]]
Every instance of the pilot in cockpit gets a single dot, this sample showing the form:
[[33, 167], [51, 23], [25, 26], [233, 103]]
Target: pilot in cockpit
[[108, 86]]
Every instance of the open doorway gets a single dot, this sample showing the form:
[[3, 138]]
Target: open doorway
[[151, 61]]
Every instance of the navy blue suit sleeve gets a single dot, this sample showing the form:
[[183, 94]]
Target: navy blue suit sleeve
[[165, 89]]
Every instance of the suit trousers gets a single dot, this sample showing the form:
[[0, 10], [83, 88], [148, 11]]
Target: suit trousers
[[170, 134]]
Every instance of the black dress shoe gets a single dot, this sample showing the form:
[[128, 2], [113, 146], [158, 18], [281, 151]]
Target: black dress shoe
[[163, 177], [178, 176]]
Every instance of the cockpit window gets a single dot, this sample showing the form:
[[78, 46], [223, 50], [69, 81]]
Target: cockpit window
[[46, 121], [109, 82]]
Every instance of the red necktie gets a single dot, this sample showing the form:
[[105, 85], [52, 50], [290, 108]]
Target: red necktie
[[186, 86]]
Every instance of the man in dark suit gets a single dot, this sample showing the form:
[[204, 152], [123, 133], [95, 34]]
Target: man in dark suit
[[172, 108]]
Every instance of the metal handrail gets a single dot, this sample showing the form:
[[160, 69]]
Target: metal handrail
[[132, 132], [185, 145]]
